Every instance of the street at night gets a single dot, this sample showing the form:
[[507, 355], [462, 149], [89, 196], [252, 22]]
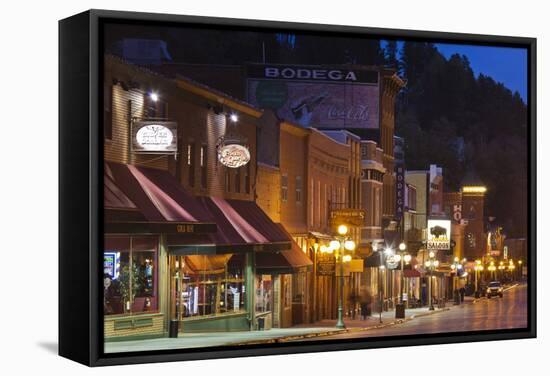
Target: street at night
[[485, 314], [307, 199]]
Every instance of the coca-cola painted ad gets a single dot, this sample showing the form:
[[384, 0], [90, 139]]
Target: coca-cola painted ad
[[321, 98]]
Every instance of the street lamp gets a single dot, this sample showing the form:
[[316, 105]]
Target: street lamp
[[381, 268], [456, 266], [403, 258], [431, 264], [492, 268], [340, 245], [478, 268]]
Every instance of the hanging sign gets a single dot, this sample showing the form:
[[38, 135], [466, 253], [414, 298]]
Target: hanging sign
[[439, 234], [154, 137], [392, 261], [233, 155]]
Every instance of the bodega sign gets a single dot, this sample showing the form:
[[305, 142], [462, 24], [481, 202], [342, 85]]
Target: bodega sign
[[439, 234], [157, 137], [309, 73]]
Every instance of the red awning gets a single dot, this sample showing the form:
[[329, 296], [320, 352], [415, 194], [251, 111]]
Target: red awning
[[140, 199], [290, 261], [242, 226], [411, 273]]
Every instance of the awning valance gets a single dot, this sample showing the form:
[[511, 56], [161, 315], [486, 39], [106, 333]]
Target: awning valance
[[242, 226]]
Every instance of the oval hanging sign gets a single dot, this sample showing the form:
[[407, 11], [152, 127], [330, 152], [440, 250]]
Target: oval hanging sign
[[155, 137], [233, 155]]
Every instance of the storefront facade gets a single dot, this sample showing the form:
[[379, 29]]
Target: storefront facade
[[182, 230]]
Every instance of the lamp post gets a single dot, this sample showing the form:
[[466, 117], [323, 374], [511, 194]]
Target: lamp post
[[492, 268], [340, 245], [455, 267], [381, 268], [511, 268], [431, 264], [403, 258], [478, 268], [501, 267], [520, 270]]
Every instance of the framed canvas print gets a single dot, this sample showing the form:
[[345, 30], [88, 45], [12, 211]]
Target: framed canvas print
[[237, 187]]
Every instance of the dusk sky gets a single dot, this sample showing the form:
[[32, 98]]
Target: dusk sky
[[503, 64]]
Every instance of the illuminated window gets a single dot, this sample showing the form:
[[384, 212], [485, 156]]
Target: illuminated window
[[203, 162], [284, 187]]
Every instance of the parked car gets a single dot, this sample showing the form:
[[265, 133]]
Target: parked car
[[494, 289]]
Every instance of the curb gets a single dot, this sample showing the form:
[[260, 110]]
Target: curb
[[340, 331]]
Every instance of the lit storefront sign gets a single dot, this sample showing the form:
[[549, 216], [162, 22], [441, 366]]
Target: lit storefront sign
[[154, 137], [474, 189], [111, 264], [233, 155], [439, 234], [348, 217]]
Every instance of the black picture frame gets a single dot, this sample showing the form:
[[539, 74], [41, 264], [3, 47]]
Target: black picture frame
[[80, 187]]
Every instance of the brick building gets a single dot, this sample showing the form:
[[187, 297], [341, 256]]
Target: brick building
[[184, 236]]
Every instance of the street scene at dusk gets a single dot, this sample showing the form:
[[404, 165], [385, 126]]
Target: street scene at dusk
[[264, 187]]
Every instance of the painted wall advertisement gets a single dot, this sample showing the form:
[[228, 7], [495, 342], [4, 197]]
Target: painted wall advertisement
[[439, 234], [322, 97]]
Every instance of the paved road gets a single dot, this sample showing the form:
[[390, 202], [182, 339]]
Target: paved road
[[495, 313]]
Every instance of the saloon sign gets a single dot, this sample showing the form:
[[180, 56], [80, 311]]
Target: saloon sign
[[439, 234], [233, 155], [157, 137]]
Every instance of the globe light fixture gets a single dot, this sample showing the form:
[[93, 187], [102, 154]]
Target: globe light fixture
[[346, 258], [388, 251], [402, 247], [154, 96], [407, 258], [342, 230], [334, 245], [234, 118], [349, 245], [431, 254]]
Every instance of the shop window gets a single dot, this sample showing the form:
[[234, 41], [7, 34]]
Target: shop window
[[206, 285], [264, 293], [284, 187], [129, 275], [299, 288]]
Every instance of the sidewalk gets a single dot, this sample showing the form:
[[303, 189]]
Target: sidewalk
[[320, 328]]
